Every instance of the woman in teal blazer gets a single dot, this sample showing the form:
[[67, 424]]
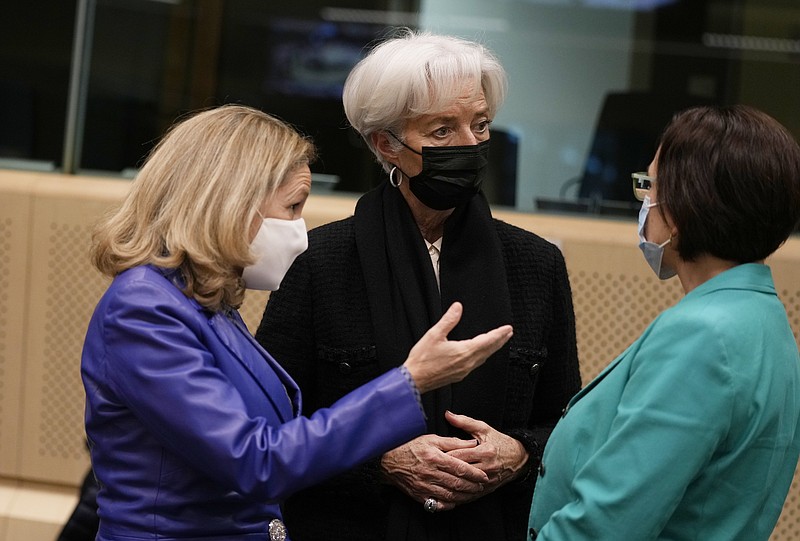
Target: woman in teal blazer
[[693, 433]]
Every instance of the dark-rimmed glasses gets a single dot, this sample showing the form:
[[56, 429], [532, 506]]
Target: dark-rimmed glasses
[[641, 185]]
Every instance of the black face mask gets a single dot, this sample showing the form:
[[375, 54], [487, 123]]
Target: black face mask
[[450, 175]]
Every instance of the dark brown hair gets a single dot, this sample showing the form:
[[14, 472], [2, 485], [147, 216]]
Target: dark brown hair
[[729, 178]]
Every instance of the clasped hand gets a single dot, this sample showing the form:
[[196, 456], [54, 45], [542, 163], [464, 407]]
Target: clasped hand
[[455, 471]]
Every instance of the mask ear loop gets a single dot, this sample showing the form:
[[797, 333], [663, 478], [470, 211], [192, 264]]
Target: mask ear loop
[[394, 183]]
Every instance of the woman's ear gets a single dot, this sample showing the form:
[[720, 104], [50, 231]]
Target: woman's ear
[[380, 140], [673, 229], [668, 221]]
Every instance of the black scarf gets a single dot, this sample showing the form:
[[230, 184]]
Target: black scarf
[[405, 302]]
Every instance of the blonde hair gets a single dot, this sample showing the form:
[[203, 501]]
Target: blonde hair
[[418, 73], [192, 202]]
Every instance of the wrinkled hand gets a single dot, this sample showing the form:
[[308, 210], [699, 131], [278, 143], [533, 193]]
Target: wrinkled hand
[[435, 361], [426, 468], [500, 456]]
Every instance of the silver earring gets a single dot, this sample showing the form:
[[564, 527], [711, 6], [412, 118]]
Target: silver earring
[[391, 177]]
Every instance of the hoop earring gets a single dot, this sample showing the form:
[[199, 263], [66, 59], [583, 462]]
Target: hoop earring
[[391, 177]]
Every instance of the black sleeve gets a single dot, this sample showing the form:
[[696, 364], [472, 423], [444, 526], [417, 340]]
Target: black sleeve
[[560, 377]]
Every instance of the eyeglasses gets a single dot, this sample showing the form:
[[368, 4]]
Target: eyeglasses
[[641, 185]]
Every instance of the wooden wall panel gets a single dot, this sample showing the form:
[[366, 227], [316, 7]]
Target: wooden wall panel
[[48, 290]]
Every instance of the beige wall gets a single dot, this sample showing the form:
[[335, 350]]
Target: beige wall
[[48, 290]]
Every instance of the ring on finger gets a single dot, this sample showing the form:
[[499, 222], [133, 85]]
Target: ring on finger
[[430, 505]]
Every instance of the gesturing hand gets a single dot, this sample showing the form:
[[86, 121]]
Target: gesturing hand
[[435, 361]]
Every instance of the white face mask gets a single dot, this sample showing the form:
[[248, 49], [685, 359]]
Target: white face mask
[[276, 245], [653, 253]]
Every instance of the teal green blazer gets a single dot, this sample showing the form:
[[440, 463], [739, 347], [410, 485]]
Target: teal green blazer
[[691, 434]]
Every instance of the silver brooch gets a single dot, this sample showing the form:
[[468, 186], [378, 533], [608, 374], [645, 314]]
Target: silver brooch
[[277, 531]]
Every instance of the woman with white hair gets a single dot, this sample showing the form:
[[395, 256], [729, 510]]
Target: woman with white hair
[[369, 286], [195, 431]]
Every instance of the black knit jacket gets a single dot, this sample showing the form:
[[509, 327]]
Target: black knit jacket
[[318, 326]]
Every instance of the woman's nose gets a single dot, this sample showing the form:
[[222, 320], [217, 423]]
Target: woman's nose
[[466, 137]]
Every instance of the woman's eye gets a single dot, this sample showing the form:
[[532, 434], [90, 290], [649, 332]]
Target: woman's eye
[[442, 132], [483, 126]]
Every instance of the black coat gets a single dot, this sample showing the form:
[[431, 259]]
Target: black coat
[[83, 522], [318, 326]]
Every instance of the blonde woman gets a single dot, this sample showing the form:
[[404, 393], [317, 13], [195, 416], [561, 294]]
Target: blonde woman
[[195, 431]]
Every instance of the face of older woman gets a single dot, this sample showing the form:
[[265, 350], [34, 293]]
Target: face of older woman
[[465, 123]]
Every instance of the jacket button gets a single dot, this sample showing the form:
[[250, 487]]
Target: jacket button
[[534, 370], [532, 534], [345, 368], [542, 470]]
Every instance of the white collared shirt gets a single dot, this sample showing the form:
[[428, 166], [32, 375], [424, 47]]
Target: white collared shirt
[[434, 249]]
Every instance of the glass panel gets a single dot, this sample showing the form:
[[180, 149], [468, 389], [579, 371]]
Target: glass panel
[[35, 55], [153, 61], [592, 82], [293, 63], [136, 54]]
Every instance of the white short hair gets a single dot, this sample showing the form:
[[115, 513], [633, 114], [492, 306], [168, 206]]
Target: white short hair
[[418, 73]]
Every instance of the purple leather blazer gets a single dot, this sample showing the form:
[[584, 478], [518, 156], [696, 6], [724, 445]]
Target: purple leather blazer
[[195, 430]]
